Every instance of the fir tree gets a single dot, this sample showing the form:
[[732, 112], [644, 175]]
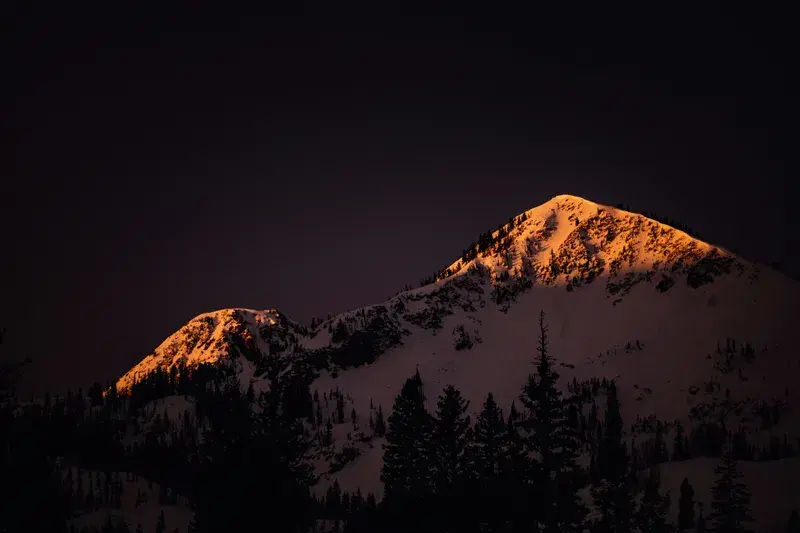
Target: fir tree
[[515, 479], [244, 448], [554, 443], [613, 495], [450, 425], [26, 467], [345, 508], [161, 525], [380, 424], [339, 409], [251, 393], [658, 453], [730, 507], [651, 517], [678, 450], [406, 453], [686, 506], [488, 438], [356, 501], [328, 433], [333, 500], [486, 451]]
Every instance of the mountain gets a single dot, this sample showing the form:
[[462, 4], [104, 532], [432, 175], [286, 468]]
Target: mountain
[[690, 332], [210, 337]]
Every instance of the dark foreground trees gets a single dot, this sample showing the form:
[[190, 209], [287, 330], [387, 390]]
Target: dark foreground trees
[[554, 446], [253, 465], [441, 472], [730, 508], [34, 499]]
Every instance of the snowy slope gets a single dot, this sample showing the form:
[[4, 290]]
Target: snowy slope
[[221, 334], [625, 297], [123, 498]]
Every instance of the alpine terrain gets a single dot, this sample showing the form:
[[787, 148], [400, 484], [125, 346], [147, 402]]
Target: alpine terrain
[[696, 344]]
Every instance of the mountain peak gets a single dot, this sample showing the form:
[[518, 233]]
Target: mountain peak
[[570, 240], [210, 337], [569, 197]]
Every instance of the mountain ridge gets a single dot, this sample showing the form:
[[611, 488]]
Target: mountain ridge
[[694, 336], [586, 241]]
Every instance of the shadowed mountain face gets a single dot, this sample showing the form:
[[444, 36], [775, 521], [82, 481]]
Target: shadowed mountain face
[[690, 332]]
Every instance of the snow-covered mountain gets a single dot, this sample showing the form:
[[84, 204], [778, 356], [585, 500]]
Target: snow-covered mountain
[[689, 331], [210, 337]]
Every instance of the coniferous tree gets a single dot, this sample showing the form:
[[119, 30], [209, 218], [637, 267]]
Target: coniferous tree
[[333, 500], [356, 501], [380, 424], [658, 453], [686, 506], [345, 508], [251, 393], [339, 409], [243, 449], [406, 471], [730, 507], [328, 433], [678, 450], [485, 451], [613, 495], [161, 525], [651, 516], [554, 443], [450, 425], [27, 466], [488, 438], [515, 479]]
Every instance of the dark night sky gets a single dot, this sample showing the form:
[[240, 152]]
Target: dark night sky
[[163, 165]]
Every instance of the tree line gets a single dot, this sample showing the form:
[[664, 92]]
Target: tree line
[[242, 459]]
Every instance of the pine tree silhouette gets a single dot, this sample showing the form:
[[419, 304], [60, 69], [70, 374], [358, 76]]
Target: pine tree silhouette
[[651, 516], [339, 409], [245, 448], [406, 471], [450, 426], [555, 444], [613, 495], [380, 425], [686, 506], [486, 453], [730, 507], [488, 438], [161, 525]]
